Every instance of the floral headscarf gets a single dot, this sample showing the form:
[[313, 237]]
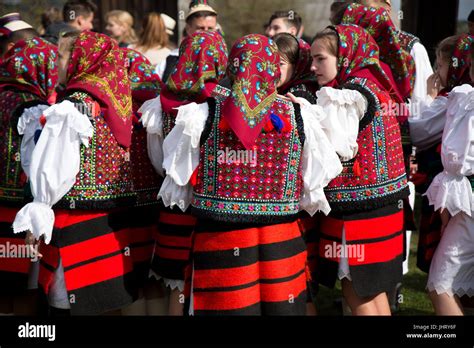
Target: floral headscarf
[[145, 82], [202, 64], [377, 22], [359, 57], [31, 66], [458, 72], [254, 70], [98, 67]]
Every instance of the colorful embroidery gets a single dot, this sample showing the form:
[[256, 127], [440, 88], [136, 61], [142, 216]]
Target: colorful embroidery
[[12, 178], [248, 190], [381, 175], [105, 179]]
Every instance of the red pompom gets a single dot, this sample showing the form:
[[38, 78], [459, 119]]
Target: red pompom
[[42, 120], [268, 127], [194, 177], [286, 125], [356, 168]]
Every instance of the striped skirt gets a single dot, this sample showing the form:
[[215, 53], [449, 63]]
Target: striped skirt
[[96, 255], [254, 270], [173, 245], [14, 261], [143, 229], [374, 249]]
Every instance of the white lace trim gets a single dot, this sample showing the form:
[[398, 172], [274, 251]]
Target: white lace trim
[[173, 284]]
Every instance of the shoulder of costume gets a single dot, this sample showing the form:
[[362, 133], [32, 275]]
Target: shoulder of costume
[[369, 91]]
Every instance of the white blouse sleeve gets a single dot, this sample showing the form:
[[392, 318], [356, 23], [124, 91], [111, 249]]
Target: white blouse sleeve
[[55, 162], [28, 124], [181, 154], [427, 121], [321, 163], [152, 120], [451, 189], [423, 71], [344, 109]]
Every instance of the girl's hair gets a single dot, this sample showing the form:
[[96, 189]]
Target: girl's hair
[[50, 16], [154, 32], [329, 40], [288, 46], [123, 18], [446, 48], [338, 9]]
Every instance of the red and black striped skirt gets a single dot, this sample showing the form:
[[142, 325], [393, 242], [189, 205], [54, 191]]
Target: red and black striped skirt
[[248, 270], [173, 244], [374, 249], [143, 229], [96, 254], [14, 264]]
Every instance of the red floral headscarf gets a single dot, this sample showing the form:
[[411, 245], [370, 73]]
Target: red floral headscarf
[[202, 64], [377, 22], [359, 57], [254, 70], [31, 66], [98, 67], [145, 82], [302, 74], [460, 64]]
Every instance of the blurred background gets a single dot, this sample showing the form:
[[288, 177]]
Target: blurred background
[[430, 20]]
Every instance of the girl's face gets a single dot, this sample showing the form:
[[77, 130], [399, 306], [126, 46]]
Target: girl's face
[[114, 29], [287, 71], [324, 64], [64, 53], [442, 67]]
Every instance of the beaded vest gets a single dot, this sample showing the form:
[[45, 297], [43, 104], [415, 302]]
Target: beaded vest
[[376, 177], [407, 40], [262, 185], [12, 178], [105, 177]]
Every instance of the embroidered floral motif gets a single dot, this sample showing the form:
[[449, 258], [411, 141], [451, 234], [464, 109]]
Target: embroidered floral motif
[[271, 187]]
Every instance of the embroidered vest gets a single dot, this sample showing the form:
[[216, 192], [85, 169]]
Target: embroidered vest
[[12, 178], [105, 177], [407, 40], [146, 181], [262, 185], [376, 177]]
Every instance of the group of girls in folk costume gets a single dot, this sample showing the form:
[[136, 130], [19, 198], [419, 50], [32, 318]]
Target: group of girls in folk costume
[[200, 68], [443, 133], [248, 256], [28, 76], [277, 165]]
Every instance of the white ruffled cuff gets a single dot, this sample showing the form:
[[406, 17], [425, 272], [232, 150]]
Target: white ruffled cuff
[[314, 201], [175, 195], [152, 116], [451, 192], [38, 218]]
